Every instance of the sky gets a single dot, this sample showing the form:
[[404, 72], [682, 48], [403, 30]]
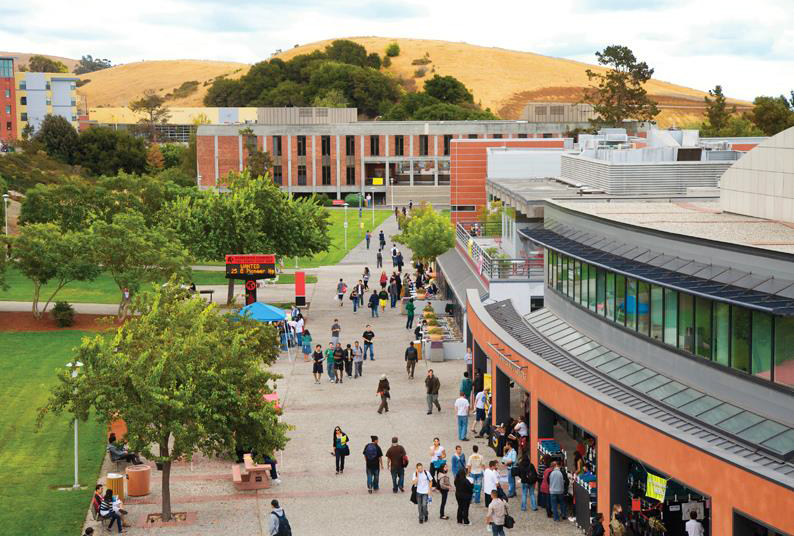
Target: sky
[[747, 47]]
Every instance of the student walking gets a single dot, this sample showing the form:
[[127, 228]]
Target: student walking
[[358, 360], [307, 344], [475, 471], [432, 384], [349, 361], [373, 457], [393, 294], [463, 492], [383, 296], [317, 366], [465, 385], [373, 304], [341, 289], [369, 346], [479, 410], [278, 521], [443, 487], [336, 329], [423, 484], [497, 511], [397, 460], [462, 411], [411, 357], [367, 237], [339, 364], [341, 449], [382, 239], [329, 360], [383, 393], [490, 481], [410, 308], [383, 279], [365, 279], [354, 299], [379, 259], [438, 456]]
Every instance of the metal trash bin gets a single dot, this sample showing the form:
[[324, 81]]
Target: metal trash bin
[[138, 480]]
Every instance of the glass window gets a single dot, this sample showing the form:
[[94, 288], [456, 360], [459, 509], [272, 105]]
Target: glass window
[[631, 303], [423, 145], [592, 354], [657, 312], [577, 280], [569, 277], [703, 327], [374, 146], [301, 175], [624, 371], [652, 383], [701, 405], [591, 288], [399, 145], [686, 317], [583, 284], [564, 274], [6, 68], [447, 140], [620, 299], [560, 275], [668, 389], [601, 291], [762, 345], [610, 301], [325, 145], [350, 145], [277, 175], [719, 413], [276, 145], [684, 397], [783, 443], [784, 350], [740, 338], [326, 175], [762, 431], [640, 376], [670, 316], [350, 176], [643, 307], [721, 330], [740, 421], [301, 146]]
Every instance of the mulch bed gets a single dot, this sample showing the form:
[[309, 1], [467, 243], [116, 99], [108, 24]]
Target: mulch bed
[[17, 321]]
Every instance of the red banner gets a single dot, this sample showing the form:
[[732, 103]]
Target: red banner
[[250, 259]]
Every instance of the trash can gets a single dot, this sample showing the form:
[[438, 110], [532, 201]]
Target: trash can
[[418, 346], [115, 482], [138, 480]]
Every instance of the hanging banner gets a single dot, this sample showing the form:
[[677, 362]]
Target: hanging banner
[[656, 487]]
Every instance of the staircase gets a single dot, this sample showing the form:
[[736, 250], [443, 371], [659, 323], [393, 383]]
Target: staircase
[[438, 196]]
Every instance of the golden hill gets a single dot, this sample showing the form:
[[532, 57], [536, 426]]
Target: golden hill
[[505, 80], [22, 58], [119, 85]]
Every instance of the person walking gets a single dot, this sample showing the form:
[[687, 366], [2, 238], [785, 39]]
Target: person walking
[[465, 385], [432, 385], [400, 262], [464, 489], [307, 344], [438, 456], [365, 280], [358, 360], [329, 361], [382, 239], [393, 294], [373, 304], [383, 279], [373, 457], [479, 411], [462, 411], [509, 461], [529, 477], [410, 308], [443, 487], [341, 449], [383, 297], [354, 299], [423, 483], [497, 511], [336, 329], [339, 363], [476, 467], [458, 460], [279, 524], [367, 237], [317, 366], [349, 361], [411, 357], [383, 392], [379, 259], [397, 460], [341, 289], [556, 491], [490, 481], [369, 346]]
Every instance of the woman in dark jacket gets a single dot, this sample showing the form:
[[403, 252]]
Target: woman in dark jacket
[[464, 490], [341, 448], [383, 392]]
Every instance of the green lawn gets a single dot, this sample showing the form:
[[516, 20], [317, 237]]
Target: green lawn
[[33, 463], [103, 289]]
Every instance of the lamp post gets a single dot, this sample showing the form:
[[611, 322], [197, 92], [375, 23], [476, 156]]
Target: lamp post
[[75, 366], [5, 211], [345, 226]]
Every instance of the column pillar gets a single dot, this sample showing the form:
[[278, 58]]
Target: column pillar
[[411, 153], [314, 163], [338, 171], [289, 164], [240, 151], [215, 157], [501, 395]]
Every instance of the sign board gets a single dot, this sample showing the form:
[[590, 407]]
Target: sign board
[[250, 266], [377, 181], [656, 487], [693, 506]]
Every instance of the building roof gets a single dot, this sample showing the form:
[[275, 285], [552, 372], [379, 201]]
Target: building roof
[[531, 190], [694, 219]]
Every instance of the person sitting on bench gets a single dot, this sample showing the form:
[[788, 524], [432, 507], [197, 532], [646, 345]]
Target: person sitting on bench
[[120, 452]]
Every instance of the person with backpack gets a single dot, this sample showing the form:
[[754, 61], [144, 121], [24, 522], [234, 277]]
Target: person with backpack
[[354, 299], [411, 357], [279, 525], [367, 237], [373, 457], [410, 308], [422, 485], [374, 301], [341, 289], [383, 393], [529, 477]]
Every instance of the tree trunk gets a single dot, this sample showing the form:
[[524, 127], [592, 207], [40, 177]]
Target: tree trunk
[[52, 296], [230, 294], [36, 292], [166, 486]]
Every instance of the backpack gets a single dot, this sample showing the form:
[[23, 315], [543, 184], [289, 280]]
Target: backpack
[[532, 475], [283, 525], [371, 452]]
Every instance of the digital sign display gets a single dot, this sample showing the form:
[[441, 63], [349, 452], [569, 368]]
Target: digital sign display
[[250, 266]]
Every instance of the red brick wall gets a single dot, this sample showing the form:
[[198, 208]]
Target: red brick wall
[[228, 156], [469, 166], [205, 156], [5, 134]]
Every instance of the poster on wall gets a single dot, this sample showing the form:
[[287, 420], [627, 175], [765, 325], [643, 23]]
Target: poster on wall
[[692, 506], [656, 487]]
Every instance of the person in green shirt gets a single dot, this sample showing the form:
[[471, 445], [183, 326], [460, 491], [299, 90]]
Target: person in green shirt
[[329, 361], [409, 311], [465, 385]]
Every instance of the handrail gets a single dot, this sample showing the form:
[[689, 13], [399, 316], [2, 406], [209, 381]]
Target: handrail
[[499, 268]]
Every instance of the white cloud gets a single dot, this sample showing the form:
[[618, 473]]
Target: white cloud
[[695, 43]]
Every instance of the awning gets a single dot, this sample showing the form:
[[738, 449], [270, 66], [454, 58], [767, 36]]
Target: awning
[[459, 275]]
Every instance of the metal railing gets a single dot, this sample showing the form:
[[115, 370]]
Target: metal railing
[[496, 268]]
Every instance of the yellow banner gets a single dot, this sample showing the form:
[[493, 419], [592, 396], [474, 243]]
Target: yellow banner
[[377, 181], [656, 487]]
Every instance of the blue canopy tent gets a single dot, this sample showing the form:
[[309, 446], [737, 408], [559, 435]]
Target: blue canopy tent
[[263, 312]]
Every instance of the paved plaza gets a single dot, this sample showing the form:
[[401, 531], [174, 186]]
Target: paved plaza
[[316, 500]]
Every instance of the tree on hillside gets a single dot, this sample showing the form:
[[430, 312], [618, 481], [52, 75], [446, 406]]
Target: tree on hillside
[[427, 232], [451, 112], [70, 205], [333, 98], [619, 95], [183, 378], [370, 91], [155, 112], [224, 92], [448, 89], [43, 64], [393, 50], [373, 60], [104, 151], [89, 64], [135, 254], [717, 112], [346, 51], [285, 94], [44, 254], [58, 138], [772, 114]]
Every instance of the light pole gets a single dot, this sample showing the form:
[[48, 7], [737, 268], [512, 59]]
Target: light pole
[[75, 366], [5, 210], [345, 226]]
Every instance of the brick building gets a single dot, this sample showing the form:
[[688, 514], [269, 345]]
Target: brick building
[[8, 107]]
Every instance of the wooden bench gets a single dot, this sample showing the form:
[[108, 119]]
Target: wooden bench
[[210, 292], [256, 475]]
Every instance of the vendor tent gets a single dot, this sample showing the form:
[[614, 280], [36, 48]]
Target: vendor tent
[[263, 312]]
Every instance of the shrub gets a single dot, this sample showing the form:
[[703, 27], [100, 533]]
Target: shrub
[[186, 89], [386, 61], [420, 72], [393, 50], [63, 313], [421, 61], [435, 331], [353, 200]]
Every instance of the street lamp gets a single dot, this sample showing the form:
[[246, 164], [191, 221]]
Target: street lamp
[[75, 366], [345, 226], [5, 210]]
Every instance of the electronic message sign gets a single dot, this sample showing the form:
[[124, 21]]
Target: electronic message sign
[[250, 266]]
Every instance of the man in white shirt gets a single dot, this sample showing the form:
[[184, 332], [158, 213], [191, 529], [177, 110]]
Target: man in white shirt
[[299, 330], [422, 480], [693, 526], [490, 481], [479, 411], [462, 411], [475, 470], [509, 460]]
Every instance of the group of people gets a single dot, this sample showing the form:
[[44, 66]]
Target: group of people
[[342, 361]]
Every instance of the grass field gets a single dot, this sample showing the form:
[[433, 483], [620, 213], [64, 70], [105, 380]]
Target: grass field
[[103, 289], [34, 463]]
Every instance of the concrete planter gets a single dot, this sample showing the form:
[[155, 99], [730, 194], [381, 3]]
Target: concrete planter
[[436, 352]]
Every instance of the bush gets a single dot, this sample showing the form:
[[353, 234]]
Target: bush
[[393, 50], [353, 200], [386, 61], [323, 200], [421, 61], [420, 72], [63, 313]]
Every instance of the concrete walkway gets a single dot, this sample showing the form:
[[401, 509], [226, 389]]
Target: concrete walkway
[[316, 500]]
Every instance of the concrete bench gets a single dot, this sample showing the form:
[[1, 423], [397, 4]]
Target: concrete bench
[[251, 475]]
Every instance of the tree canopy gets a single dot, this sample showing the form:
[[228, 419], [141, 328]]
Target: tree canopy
[[43, 64], [58, 138], [444, 99], [448, 89], [89, 64], [184, 379], [772, 114], [427, 232], [619, 95], [152, 107], [104, 151]]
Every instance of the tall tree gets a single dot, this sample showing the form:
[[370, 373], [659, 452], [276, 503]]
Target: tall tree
[[58, 138], [258, 163], [104, 151], [89, 64], [618, 95], [346, 51], [333, 98], [43, 64], [717, 111], [448, 89], [427, 232], [772, 114], [44, 254], [155, 112], [135, 254], [184, 379]]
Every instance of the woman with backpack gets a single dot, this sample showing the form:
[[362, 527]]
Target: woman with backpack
[[529, 478], [341, 449], [383, 296], [443, 486], [464, 489]]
